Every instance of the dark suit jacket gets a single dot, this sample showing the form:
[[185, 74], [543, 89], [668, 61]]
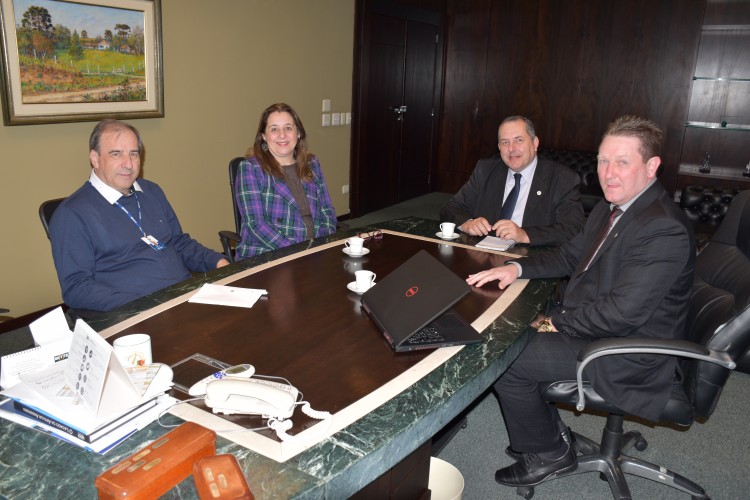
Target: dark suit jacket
[[553, 212], [637, 285]]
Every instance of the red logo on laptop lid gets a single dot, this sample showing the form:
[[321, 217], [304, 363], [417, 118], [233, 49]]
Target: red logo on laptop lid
[[411, 292]]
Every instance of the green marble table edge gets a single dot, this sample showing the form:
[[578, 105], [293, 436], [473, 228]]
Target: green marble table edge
[[349, 460]]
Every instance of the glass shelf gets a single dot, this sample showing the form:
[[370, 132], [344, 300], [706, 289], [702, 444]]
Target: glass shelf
[[717, 126], [721, 79], [732, 176], [726, 27]]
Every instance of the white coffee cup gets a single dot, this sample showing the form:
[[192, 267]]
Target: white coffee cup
[[355, 244], [133, 350], [365, 279], [447, 229]]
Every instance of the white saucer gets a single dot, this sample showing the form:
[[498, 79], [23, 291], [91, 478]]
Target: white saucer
[[353, 287], [348, 252], [439, 234]]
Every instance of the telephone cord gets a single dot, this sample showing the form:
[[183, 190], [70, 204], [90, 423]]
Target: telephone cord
[[282, 426]]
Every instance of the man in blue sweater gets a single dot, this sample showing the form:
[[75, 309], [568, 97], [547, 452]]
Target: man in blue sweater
[[117, 238]]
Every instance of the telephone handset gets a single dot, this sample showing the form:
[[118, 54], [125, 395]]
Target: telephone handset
[[251, 396]]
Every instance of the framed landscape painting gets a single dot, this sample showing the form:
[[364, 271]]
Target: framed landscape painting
[[65, 61]]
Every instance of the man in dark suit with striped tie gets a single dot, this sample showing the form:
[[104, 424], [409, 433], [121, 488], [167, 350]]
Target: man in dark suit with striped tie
[[518, 196], [631, 270]]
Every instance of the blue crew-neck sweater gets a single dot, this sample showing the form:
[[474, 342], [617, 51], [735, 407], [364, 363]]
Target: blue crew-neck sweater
[[100, 258]]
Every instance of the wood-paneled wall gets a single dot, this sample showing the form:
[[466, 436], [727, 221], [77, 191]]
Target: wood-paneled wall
[[571, 66]]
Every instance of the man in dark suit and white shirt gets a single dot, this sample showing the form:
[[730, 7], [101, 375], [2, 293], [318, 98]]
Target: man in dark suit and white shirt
[[546, 210], [634, 283]]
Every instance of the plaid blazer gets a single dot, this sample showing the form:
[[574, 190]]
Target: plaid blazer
[[270, 216]]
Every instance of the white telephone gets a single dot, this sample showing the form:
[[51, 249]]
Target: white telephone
[[251, 396]]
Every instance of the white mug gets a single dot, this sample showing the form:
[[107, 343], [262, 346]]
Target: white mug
[[365, 279], [133, 350], [355, 244], [447, 229]]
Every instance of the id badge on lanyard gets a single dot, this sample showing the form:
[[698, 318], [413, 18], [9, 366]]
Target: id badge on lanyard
[[153, 242], [147, 238]]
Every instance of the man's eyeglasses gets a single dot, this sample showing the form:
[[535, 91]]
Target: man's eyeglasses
[[373, 235]]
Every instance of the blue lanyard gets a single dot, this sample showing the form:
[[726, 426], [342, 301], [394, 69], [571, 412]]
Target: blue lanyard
[[136, 222]]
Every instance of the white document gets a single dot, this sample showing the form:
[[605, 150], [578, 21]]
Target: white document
[[495, 243], [220, 295], [91, 388], [52, 327], [53, 339]]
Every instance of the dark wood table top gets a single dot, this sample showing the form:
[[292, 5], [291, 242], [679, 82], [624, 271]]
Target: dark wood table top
[[311, 330]]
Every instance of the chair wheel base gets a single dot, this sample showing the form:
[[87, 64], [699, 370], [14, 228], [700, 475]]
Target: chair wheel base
[[525, 491]]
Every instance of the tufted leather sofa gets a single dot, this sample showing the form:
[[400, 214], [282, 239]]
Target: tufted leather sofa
[[584, 164], [706, 207]]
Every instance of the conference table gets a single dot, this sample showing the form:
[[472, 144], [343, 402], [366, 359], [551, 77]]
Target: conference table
[[310, 330]]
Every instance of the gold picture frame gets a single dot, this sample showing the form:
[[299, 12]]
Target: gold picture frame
[[65, 61]]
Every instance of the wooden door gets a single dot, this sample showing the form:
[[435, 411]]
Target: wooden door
[[397, 89]]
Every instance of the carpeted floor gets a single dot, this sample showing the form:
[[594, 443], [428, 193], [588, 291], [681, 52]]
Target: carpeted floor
[[427, 206], [715, 454]]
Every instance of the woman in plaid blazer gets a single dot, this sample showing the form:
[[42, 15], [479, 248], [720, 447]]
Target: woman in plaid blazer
[[280, 189]]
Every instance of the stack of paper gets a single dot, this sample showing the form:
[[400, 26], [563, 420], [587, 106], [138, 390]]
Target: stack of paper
[[220, 295], [495, 243]]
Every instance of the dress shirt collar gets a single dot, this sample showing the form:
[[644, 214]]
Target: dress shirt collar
[[527, 173], [627, 205], [110, 194]]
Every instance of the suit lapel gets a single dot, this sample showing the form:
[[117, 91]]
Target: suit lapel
[[538, 184], [651, 194]]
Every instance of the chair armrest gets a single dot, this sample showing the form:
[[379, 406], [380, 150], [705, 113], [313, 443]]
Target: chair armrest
[[680, 348], [226, 238]]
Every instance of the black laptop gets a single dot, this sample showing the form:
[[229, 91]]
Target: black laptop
[[411, 306]]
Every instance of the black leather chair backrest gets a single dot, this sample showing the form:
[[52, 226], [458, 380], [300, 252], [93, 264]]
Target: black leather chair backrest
[[705, 381], [234, 166], [46, 210], [725, 262], [735, 227]]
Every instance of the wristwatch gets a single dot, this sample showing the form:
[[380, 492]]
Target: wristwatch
[[546, 325]]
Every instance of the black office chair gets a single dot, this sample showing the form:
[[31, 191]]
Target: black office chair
[[46, 210], [707, 358], [724, 263], [230, 239]]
